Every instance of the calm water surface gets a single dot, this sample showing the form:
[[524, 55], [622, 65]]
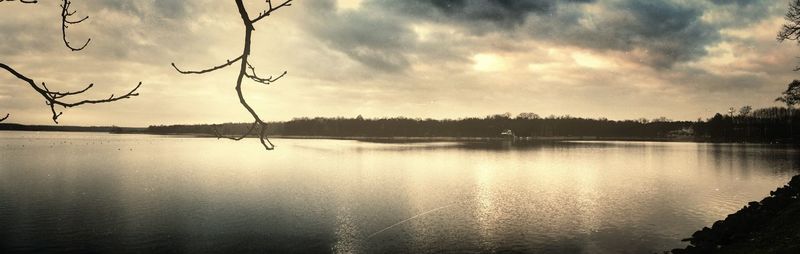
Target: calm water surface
[[79, 192]]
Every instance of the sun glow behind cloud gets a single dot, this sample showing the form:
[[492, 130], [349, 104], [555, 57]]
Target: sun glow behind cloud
[[489, 63], [593, 61], [349, 4]]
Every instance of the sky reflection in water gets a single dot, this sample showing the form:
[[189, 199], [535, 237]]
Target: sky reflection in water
[[65, 192]]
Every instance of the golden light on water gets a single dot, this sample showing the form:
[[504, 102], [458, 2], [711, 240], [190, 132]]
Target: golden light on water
[[362, 196], [486, 211]]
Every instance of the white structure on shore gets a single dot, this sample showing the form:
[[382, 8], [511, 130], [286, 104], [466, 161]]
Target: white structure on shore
[[508, 134]]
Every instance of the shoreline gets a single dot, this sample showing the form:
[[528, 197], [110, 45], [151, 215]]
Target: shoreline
[[767, 226], [143, 131]]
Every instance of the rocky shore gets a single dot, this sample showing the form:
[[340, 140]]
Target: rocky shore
[[769, 226]]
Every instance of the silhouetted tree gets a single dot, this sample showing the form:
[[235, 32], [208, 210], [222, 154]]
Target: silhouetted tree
[[744, 118], [731, 111], [745, 111], [528, 115], [245, 66], [791, 29], [792, 94], [662, 119], [56, 98]]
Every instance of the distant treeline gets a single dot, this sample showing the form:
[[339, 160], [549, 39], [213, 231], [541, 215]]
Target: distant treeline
[[762, 125], [525, 125], [774, 124], [111, 129]]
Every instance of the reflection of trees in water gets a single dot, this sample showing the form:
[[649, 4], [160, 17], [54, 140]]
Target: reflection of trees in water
[[745, 159]]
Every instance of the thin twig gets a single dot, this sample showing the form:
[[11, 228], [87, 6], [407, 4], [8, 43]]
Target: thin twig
[[226, 64], [22, 1], [270, 9], [258, 79], [65, 15], [53, 98]]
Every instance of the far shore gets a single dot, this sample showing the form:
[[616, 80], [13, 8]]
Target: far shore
[[387, 139], [126, 130]]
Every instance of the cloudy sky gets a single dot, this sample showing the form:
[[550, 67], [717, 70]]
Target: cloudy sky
[[620, 59]]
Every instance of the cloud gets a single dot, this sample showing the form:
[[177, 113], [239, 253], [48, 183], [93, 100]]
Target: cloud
[[419, 58], [378, 41], [735, 13], [662, 31], [503, 14], [657, 33], [154, 10]]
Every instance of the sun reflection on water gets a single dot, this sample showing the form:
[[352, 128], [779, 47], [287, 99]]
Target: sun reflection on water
[[356, 197]]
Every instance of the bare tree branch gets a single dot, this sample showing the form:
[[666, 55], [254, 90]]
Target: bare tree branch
[[235, 138], [63, 94], [65, 15], [22, 1], [255, 77], [270, 9], [244, 66], [53, 98], [791, 29], [226, 64]]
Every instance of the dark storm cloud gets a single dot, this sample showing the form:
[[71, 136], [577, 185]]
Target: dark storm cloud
[[502, 13], [381, 42], [661, 32], [379, 34], [667, 32]]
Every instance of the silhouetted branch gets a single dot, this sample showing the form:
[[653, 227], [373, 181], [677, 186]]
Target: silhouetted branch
[[52, 98], [791, 30], [63, 94], [271, 9], [247, 133], [4, 118], [65, 15], [226, 64], [22, 1], [243, 72], [262, 135], [255, 77]]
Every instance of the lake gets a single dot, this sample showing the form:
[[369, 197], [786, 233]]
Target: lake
[[95, 192]]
